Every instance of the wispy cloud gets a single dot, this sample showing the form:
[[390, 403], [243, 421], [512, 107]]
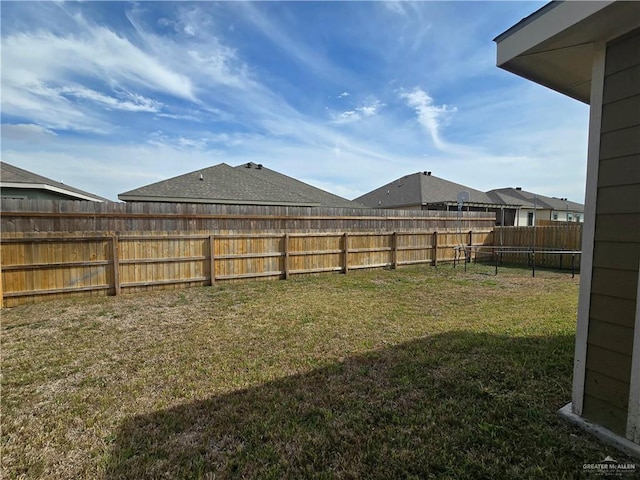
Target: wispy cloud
[[25, 132], [368, 109], [431, 117], [40, 71], [132, 102], [200, 56]]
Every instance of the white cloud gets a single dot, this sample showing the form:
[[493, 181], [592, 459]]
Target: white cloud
[[369, 109], [200, 55], [40, 71], [25, 132], [135, 102], [96, 52], [430, 116], [348, 116], [343, 94]]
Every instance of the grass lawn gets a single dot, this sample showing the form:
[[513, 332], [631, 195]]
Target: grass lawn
[[413, 373]]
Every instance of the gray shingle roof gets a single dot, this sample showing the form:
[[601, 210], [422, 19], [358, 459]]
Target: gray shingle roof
[[526, 199], [10, 174], [253, 185], [305, 190], [418, 189]]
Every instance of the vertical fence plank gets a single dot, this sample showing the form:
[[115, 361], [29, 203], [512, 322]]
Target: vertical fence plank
[[286, 256], [212, 259], [345, 248], [116, 265], [394, 245], [1, 291], [434, 260]]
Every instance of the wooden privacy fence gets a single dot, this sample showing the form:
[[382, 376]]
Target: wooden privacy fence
[[49, 265], [547, 241], [75, 216]]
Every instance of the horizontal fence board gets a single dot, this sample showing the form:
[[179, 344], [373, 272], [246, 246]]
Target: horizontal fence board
[[54, 290], [316, 270], [164, 282], [251, 275], [373, 265], [161, 260], [36, 266]]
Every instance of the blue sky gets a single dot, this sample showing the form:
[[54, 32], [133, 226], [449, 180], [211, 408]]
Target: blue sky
[[346, 96]]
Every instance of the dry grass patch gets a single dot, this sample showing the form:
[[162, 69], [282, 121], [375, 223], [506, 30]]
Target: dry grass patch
[[413, 373]]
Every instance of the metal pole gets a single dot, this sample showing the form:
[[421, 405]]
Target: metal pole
[[566, 221], [533, 263], [502, 227], [535, 218]]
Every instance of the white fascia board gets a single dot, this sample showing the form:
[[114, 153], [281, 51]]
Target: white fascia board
[[551, 23], [633, 413], [51, 188], [589, 227]]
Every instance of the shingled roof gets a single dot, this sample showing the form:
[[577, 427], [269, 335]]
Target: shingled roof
[[528, 199], [246, 184], [14, 177], [422, 188]]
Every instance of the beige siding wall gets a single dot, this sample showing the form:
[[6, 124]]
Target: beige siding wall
[[617, 240]]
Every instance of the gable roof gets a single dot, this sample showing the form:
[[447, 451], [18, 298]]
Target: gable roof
[[14, 177], [529, 199], [246, 184], [290, 184], [422, 188]]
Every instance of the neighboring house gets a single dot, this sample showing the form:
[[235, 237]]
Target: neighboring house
[[545, 208], [590, 51], [21, 184], [424, 191], [246, 184]]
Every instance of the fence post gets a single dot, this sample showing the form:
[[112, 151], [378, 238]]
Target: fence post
[[434, 260], [1, 290], [212, 258], [116, 264], [286, 256], [394, 259], [345, 241], [468, 258]]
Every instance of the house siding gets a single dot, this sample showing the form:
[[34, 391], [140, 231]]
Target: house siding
[[617, 241]]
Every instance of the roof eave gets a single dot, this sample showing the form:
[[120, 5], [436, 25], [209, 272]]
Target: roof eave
[[51, 188], [553, 46], [474, 204]]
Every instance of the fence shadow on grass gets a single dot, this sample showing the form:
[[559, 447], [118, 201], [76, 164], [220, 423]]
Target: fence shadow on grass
[[454, 405]]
